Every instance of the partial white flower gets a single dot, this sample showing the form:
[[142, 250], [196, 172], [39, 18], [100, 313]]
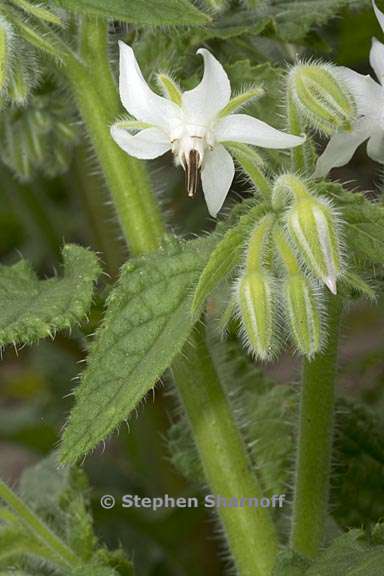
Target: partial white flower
[[195, 125], [369, 98]]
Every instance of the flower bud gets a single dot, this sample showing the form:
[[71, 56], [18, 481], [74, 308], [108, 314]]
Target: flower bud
[[312, 226], [303, 314], [321, 97], [255, 302]]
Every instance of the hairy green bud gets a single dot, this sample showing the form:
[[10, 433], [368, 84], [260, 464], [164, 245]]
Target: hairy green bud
[[39, 137], [255, 303], [312, 226], [320, 96], [303, 313]]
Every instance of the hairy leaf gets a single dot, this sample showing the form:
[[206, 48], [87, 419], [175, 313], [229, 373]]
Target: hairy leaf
[[176, 12], [349, 555], [365, 230], [145, 326], [94, 570], [58, 497], [224, 257], [289, 563], [364, 222], [295, 18], [33, 308]]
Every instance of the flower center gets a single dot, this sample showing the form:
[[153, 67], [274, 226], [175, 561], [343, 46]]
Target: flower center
[[189, 144]]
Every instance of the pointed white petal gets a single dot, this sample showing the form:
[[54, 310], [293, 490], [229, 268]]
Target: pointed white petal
[[146, 144], [342, 147], [137, 97], [379, 15], [216, 176], [376, 59], [213, 93], [375, 146], [367, 93], [249, 130]]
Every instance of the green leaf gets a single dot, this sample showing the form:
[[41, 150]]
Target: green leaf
[[349, 555], [364, 222], [225, 257], [57, 518], [289, 563], [33, 308], [295, 18], [236, 24], [153, 12], [145, 326], [94, 570]]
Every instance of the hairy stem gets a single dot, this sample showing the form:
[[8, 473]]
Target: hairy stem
[[250, 531], [302, 157], [315, 441], [94, 89], [38, 528]]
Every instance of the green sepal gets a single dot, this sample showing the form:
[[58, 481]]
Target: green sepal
[[170, 88], [38, 11], [241, 100]]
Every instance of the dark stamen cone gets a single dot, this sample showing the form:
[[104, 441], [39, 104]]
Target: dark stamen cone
[[192, 172]]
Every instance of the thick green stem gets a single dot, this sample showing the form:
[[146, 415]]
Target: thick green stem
[[250, 531], [39, 529], [315, 441], [94, 89]]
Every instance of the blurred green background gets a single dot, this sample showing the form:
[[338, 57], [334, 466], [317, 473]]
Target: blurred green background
[[51, 192]]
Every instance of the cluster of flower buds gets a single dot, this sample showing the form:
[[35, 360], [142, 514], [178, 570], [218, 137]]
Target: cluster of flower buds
[[321, 97], [20, 69], [39, 137], [300, 237]]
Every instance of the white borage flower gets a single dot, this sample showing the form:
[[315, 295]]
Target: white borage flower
[[369, 97], [195, 125]]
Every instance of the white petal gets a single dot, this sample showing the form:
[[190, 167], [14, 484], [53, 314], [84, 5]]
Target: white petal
[[342, 147], [376, 59], [216, 176], [137, 97], [379, 15], [213, 93], [368, 94], [375, 146], [146, 144], [249, 130]]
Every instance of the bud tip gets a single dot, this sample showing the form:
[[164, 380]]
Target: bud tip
[[330, 281]]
